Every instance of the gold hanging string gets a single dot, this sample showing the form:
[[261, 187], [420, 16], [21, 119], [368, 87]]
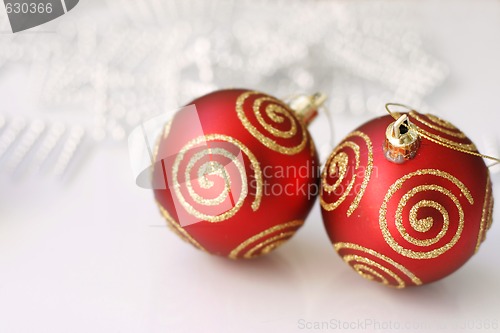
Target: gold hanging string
[[396, 115]]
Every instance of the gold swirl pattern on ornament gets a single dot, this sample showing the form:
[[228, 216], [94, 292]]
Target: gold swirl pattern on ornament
[[338, 163], [487, 214], [467, 147], [441, 122], [423, 225], [382, 269], [216, 169], [163, 136], [490, 213], [278, 112], [370, 273], [177, 229], [439, 125], [265, 245], [166, 130]]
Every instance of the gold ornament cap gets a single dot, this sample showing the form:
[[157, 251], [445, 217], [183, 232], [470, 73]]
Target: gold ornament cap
[[306, 107], [401, 140]]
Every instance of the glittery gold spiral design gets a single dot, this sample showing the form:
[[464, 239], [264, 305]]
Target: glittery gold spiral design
[[375, 266], [422, 227], [345, 172], [177, 229], [209, 148], [278, 113], [489, 219], [266, 241], [164, 134], [441, 131], [487, 214]]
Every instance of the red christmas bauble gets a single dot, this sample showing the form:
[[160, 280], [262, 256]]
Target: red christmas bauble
[[408, 215], [239, 170]]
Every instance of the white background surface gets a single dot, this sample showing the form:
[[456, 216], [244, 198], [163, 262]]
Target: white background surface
[[93, 255]]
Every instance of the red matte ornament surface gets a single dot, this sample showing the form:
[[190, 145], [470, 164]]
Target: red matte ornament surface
[[240, 175], [412, 223]]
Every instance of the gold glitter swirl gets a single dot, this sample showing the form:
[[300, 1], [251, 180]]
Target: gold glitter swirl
[[487, 214], [426, 224], [163, 136], [370, 273], [177, 229], [338, 164], [440, 140], [379, 268], [278, 112], [215, 168], [423, 225], [444, 127], [438, 125], [441, 122], [263, 245], [166, 129], [490, 213], [360, 268]]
